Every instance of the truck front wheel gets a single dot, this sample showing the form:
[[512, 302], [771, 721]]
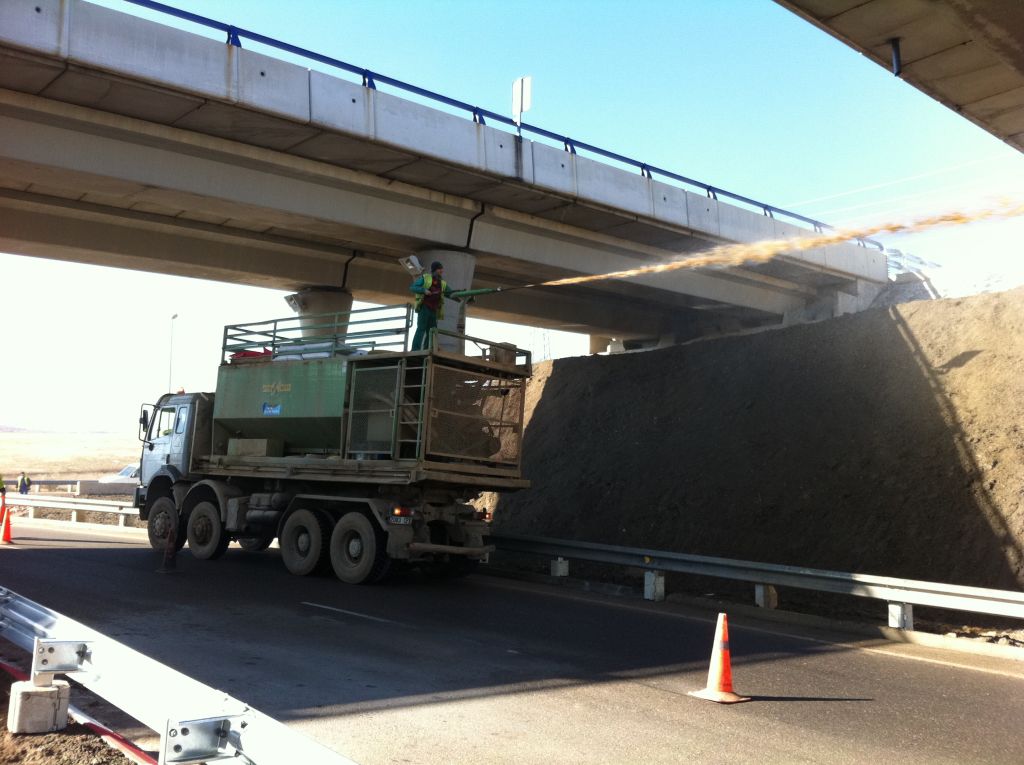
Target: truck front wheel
[[163, 526], [206, 536], [357, 553], [304, 542]]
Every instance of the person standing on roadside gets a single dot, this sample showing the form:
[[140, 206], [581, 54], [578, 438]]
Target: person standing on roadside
[[24, 483], [430, 291]]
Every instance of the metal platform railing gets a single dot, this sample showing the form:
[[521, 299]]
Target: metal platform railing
[[381, 328], [196, 723]]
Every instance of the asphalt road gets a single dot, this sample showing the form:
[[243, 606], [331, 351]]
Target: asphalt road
[[491, 670]]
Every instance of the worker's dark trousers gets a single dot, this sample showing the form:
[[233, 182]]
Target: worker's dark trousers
[[426, 320]]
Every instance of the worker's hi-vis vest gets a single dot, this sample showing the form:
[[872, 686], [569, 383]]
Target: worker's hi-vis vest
[[428, 280]]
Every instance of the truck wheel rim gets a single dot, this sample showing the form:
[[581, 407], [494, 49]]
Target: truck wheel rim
[[354, 547]]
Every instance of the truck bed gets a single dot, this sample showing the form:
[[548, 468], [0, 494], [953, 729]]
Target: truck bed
[[338, 470]]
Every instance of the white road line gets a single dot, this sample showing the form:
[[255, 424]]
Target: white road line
[[353, 613], [1011, 671]]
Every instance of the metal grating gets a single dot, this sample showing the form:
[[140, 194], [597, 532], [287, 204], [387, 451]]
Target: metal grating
[[475, 416], [371, 426]]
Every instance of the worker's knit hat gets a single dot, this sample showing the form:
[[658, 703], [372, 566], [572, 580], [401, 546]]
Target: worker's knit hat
[[437, 264]]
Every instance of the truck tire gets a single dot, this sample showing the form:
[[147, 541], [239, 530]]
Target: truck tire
[[163, 523], [304, 542], [358, 553], [207, 539]]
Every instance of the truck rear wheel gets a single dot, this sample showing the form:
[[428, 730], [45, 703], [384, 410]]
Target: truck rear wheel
[[304, 542], [206, 536], [358, 554], [163, 526]]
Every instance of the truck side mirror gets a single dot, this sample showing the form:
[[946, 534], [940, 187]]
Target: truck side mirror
[[144, 422]]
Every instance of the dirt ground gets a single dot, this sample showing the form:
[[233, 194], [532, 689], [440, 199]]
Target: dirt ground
[[889, 442], [76, 745]]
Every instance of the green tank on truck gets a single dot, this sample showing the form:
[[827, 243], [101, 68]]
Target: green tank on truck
[[328, 435]]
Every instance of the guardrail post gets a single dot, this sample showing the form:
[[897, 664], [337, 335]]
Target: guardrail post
[[560, 567], [31, 511], [74, 516], [766, 596], [120, 519], [654, 585], [901, 616]]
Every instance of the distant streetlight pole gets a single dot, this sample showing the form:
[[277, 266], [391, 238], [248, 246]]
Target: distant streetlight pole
[[170, 355]]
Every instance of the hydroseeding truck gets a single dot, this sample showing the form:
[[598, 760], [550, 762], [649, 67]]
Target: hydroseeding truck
[[326, 434]]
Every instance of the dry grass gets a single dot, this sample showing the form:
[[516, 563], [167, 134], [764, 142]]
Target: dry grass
[[65, 455]]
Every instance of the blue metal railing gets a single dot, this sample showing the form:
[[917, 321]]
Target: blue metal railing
[[371, 79]]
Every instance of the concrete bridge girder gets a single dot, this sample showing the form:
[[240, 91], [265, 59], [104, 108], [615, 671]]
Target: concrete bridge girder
[[107, 171], [228, 148]]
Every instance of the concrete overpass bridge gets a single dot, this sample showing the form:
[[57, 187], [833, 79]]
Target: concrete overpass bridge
[[133, 144]]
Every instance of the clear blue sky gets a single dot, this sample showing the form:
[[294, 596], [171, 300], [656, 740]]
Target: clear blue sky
[[737, 93]]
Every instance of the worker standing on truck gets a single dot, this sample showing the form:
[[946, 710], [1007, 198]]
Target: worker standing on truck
[[430, 291]]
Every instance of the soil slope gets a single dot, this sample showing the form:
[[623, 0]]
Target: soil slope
[[888, 442]]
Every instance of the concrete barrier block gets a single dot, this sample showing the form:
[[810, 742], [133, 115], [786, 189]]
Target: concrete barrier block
[[136, 48], [554, 169], [35, 25], [702, 212], [740, 225], [669, 204], [427, 131], [340, 105], [273, 86], [38, 709], [506, 155], [607, 185]]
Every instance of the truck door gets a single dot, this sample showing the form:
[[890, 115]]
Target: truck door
[[166, 441]]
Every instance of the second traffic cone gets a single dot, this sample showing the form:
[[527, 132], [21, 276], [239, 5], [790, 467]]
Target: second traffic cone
[[719, 687], [6, 511]]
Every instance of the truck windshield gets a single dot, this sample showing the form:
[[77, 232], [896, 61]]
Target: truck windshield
[[163, 423]]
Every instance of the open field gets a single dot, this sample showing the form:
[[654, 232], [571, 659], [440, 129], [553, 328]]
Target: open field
[[65, 455]]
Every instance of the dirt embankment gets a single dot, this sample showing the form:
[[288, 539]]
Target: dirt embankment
[[888, 442]]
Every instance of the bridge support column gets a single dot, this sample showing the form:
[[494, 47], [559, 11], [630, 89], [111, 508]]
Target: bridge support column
[[458, 272], [599, 344], [316, 300]]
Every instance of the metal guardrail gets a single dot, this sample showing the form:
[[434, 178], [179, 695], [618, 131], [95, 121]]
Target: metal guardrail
[[371, 79], [122, 508], [901, 594], [196, 723]]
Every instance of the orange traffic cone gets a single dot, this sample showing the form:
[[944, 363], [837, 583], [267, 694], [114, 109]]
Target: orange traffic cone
[[720, 673], [6, 511]]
